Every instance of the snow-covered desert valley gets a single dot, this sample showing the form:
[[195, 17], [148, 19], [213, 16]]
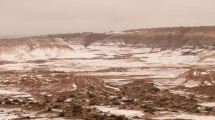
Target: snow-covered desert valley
[[158, 74]]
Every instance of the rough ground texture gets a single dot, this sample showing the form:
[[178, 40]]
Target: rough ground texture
[[160, 73]]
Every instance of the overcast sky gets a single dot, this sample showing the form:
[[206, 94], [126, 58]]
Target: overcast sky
[[30, 17]]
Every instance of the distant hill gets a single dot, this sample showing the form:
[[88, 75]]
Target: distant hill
[[60, 45], [172, 37]]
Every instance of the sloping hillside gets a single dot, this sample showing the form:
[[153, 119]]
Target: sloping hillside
[[33, 48], [60, 45], [174, 37]]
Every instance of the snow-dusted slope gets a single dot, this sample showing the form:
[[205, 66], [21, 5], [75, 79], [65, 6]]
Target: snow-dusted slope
[[33, 49], [196, 78], [166, 46]]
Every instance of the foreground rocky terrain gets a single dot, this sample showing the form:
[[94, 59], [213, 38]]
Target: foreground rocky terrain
[[160, 73]]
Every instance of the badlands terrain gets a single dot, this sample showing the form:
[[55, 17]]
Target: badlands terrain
[[142, 74]]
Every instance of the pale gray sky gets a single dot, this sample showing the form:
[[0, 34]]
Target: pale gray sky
[[27, 17]]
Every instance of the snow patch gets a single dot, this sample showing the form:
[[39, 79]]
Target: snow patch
[[117, 111]]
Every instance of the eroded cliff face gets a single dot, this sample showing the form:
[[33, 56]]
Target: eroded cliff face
[[178, 37], [173, 37], [166, 38], [61, 45]]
